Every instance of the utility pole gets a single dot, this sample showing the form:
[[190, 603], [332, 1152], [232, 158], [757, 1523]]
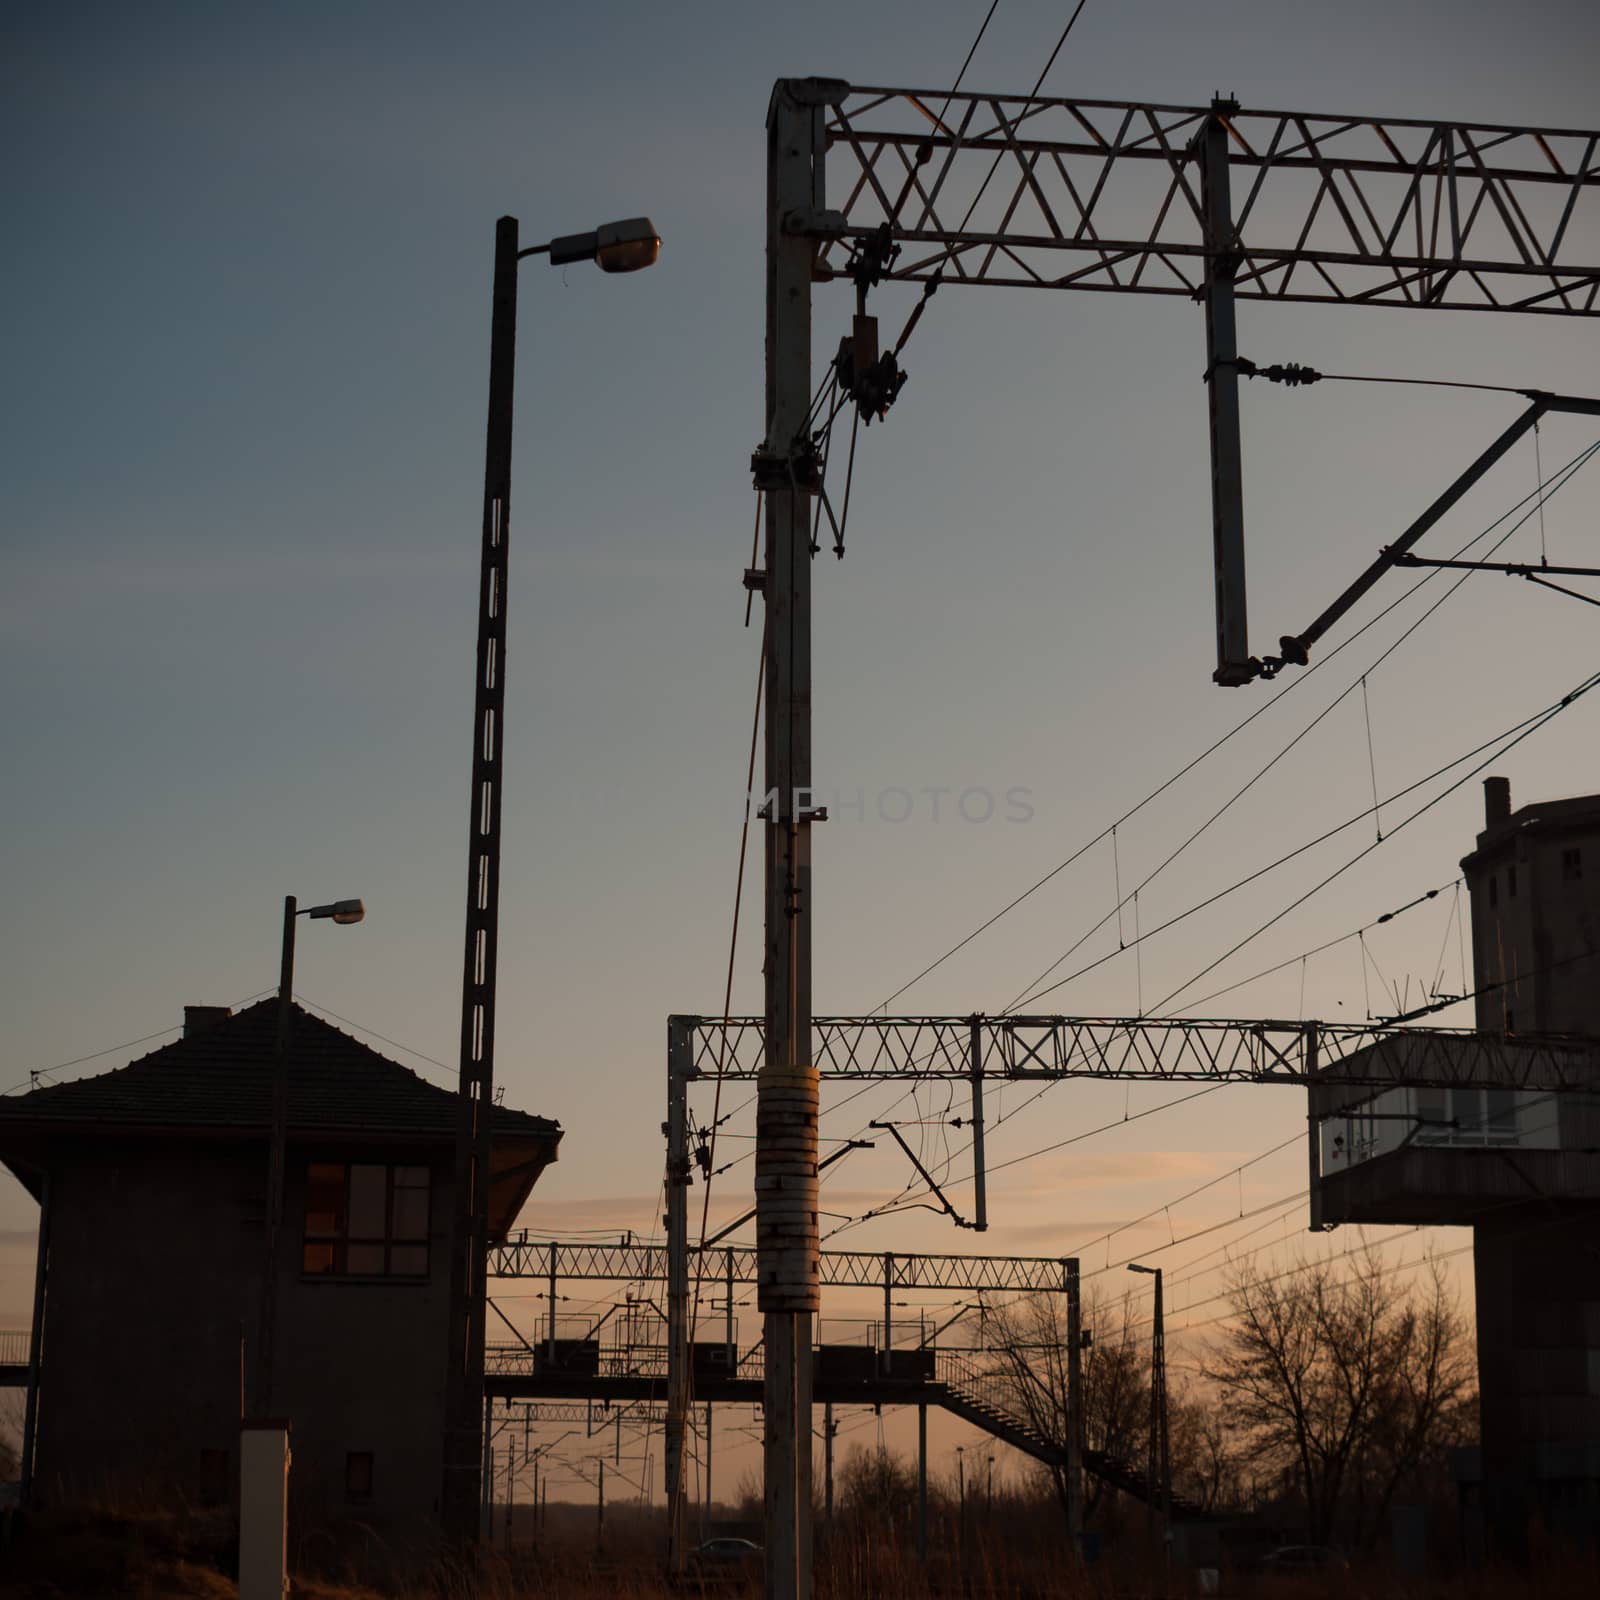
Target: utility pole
[[486, 1475], [1073, 1286], [705, 1525], [600, 1510], [1159, 1476], [786, 472], [829, 1428], [677, 1222], [961, 1510], [922, 1484]]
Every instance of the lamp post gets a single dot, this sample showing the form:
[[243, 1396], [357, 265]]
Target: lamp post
[[343, 912], [1159, 1477], [625, 246]]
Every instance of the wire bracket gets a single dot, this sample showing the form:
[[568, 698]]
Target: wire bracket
[[923, 1173]]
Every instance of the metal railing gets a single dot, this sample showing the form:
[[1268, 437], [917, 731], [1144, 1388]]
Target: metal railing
[[15, 1347]]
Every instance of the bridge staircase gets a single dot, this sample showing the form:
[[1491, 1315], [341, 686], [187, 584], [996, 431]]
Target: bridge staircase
[[981, 1397]]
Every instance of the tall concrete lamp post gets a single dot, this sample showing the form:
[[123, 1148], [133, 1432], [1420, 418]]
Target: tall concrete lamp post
[[625, 246]]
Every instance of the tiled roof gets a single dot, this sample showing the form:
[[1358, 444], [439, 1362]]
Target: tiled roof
[[221, 1078]]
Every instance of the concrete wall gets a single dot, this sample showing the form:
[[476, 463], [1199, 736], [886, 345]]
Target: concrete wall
[[1538, 1293], [361, 1367], [1532, 923], [149, 1288], [1535, 918], [154, 1279]]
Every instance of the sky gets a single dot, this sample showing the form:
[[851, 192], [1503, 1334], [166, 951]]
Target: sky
[[247, 328]]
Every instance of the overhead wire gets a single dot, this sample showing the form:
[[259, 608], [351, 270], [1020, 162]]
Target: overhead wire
[[1498, 746], [1564, 475], [1505, 746], [1557, 481], [128, 1044]]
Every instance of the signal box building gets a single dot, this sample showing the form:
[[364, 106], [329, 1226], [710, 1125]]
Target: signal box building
[[1518, 1163], [152, 1182]]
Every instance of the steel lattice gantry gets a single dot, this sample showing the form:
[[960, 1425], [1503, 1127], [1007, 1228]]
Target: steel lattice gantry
[[1217, 204], [1176, 1050], [854, 1269], [1111, 195]]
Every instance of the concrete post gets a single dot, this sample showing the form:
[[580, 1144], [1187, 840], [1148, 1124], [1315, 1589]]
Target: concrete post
[[1073, 1286], [263, 1510], [1222, 390], [677, 1199], [922, 1484], [787, 1242], [827, 1466]]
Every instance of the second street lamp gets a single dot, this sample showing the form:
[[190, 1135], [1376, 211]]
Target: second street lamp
[[343, 912]]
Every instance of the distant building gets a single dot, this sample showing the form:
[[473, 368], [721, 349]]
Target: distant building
[[1518, 1164], [154, 1179]]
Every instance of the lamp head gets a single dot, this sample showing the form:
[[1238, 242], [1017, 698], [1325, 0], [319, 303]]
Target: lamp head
[[626, 246], [343, 912]]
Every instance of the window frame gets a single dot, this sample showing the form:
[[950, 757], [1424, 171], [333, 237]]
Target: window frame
[[401, 1256]]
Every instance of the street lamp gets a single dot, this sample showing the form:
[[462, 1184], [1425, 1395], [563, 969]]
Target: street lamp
[[628, 246], [625, 246], [344, 913], [1159, 1476]]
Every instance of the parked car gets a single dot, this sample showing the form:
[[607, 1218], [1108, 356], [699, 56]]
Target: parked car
[[1304, 1558], [725, 1563], [724, 1555]]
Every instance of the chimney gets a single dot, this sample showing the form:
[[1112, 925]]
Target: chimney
[[196, 1019], [1496, 800]]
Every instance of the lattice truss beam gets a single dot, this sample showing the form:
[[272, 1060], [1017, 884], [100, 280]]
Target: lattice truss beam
[[845, 1269], [1106, 195], [594, 1414], [1175, 1050]]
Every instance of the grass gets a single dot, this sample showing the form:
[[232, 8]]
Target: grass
[[100, 1554]]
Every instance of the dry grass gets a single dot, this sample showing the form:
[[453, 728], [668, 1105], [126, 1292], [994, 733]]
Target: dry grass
[[100, 1554]]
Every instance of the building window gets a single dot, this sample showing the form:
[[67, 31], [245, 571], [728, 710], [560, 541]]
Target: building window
[[364, 1220], [1511, 880], [1571, 865], [358, 1475], [1494, 891]]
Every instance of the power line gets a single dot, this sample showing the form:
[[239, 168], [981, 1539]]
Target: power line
[[1527, 732], [1565, 475], [1503, 742], [1557, 481], [113, 1049]]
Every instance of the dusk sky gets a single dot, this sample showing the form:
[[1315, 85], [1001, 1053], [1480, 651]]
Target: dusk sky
[[248, 259]]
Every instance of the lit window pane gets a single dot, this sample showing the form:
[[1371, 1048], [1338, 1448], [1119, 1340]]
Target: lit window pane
[[364, 1259], [411, 1214], [1503, 1113], [324, 1198], [409, 1260], [368, 1202], [319, 1257]]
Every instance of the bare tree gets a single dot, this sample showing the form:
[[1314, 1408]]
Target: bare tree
[[876, 1485], [1345, 1382], [1027, 1339]]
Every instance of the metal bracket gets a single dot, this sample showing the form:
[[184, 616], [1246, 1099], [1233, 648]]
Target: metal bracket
[[923, 1173], [801, 469]]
